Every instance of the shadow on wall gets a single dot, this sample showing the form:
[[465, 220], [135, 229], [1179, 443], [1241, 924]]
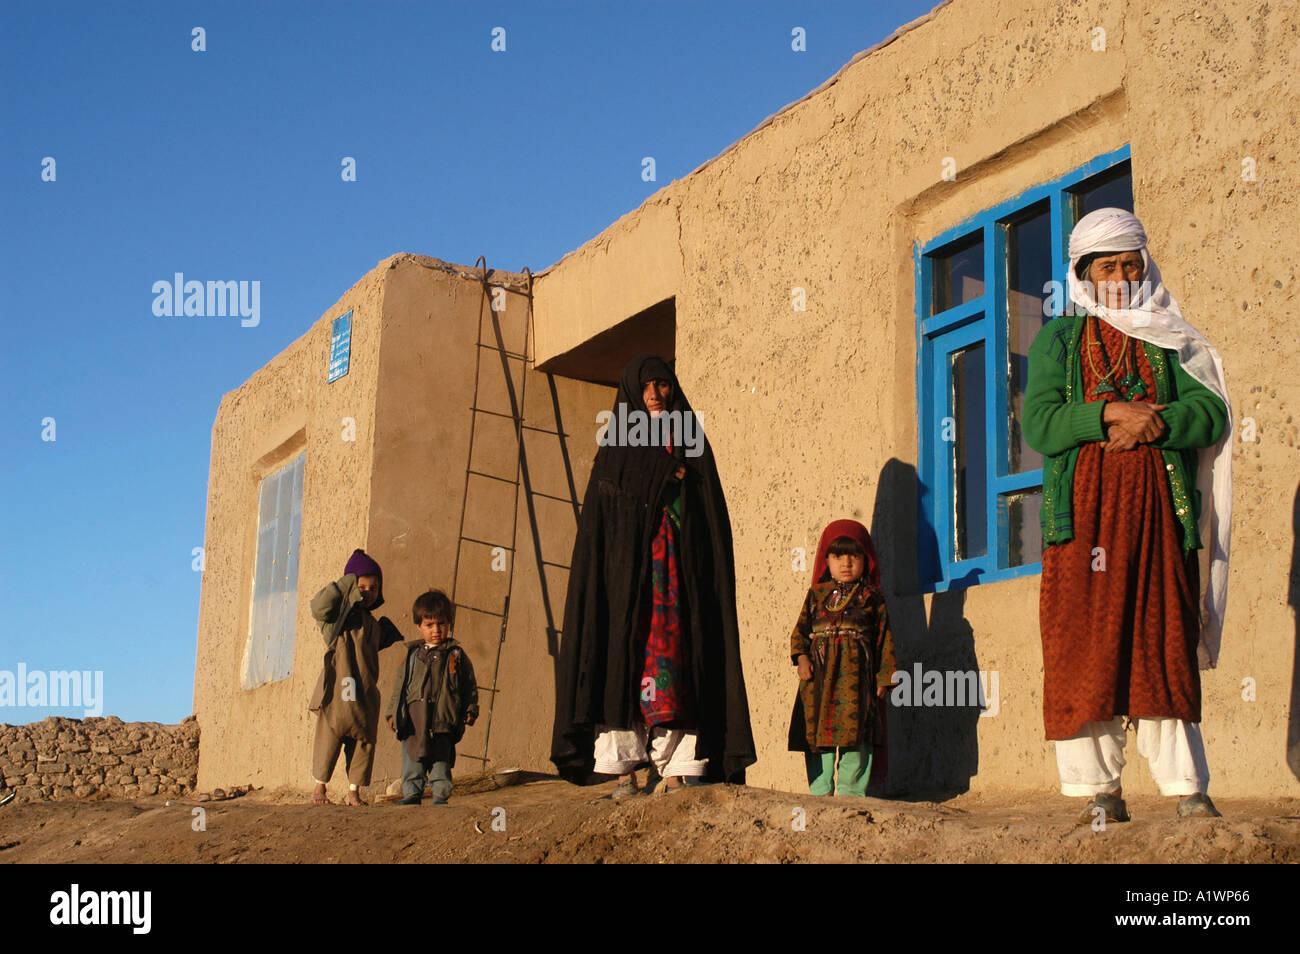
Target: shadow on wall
[[933, 749], [552, 603], [1293, 600]]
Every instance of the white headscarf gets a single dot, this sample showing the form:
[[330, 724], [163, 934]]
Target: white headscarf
[[1153, 315]]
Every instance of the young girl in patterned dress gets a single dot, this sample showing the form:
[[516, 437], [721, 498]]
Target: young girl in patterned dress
[[845, 657]]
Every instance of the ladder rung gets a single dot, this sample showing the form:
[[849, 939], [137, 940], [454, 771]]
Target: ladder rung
[[527, 427], [562, 566], [483, 410], [504, 480], [475, 609], [487, 544], [508, 354], [538, 493], [541, 430]]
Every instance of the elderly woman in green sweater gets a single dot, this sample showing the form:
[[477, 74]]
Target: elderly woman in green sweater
[[1122, 401]]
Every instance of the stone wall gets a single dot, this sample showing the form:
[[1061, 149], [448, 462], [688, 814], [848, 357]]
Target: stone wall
[[98, 758]]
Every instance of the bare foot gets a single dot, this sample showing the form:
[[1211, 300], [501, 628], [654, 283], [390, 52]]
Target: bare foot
[[354, 797], [318, 796]]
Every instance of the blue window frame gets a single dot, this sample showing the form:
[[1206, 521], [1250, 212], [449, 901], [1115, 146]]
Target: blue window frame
[[982, 289]]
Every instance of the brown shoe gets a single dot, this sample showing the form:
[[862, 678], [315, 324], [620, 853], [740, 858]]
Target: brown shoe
[[626, 789], [1197, 806], [1112, 805]]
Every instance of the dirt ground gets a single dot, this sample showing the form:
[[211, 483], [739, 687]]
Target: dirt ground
[[547, 820]]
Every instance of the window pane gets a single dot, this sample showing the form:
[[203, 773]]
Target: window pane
[[958, 274], [289, 596], [970, 449], [1112, 189], [1029, 269], [1024, 527], [268, 655]]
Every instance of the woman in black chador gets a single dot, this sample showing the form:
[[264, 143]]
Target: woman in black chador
[[650, 653]]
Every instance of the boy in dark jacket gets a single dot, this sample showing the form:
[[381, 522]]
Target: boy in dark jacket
[[347, 693], [434, 699]]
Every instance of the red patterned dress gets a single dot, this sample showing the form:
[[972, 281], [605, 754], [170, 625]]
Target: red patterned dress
[[665, 687], [1118, 602]]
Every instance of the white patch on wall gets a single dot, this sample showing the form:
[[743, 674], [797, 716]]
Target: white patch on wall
[[268, 655]]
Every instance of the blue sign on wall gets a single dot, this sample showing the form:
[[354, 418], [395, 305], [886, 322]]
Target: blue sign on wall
[[340, 347]]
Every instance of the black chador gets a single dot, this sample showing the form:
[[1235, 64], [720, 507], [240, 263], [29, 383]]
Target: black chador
[[601, 651]]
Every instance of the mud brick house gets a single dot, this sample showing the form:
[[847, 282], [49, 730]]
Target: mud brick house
[[864, 266]]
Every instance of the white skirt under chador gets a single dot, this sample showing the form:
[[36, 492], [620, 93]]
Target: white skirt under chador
[[619, 751]]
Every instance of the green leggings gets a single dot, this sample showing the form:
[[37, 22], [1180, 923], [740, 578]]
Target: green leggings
[[855, 771]]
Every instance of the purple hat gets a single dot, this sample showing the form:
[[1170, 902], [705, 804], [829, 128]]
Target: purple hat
[[362, 565]]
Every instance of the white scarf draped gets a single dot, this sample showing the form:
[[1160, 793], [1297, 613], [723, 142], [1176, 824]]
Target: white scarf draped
[[1153, 315]]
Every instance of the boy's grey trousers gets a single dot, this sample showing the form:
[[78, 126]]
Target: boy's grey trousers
[[437, 765]]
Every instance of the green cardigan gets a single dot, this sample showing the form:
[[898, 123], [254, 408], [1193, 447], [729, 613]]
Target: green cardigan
[[1059, 418]]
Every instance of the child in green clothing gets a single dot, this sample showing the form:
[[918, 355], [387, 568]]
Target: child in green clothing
[[845, 656]]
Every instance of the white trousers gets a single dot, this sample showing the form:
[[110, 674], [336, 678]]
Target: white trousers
[[619, 751], [1090, 763]]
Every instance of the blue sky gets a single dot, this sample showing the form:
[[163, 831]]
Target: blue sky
[[225, 165]]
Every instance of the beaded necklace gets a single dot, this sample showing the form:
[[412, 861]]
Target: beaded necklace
[[1132, 383], [832, 606]]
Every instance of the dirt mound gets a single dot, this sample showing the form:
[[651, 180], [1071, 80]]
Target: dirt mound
[[548, 820]]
